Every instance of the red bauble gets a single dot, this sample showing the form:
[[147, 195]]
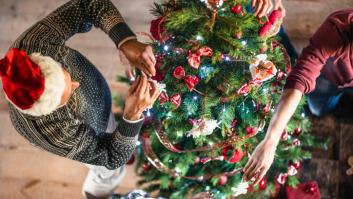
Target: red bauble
[[297, 132], [264, 29], [236, 157], [223, 180], [251, 130], [296, 165], [262, 184], [132, 160], [179, 72], [156, 28], [176, 99], [237, 9], [146, 167], [191, 81], [275, 15]]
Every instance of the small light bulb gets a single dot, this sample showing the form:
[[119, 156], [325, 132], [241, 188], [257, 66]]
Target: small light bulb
[[199, 37], [303, 114], [195, 97], [138, 143], [227, 58], [148, 113], [243, 43], [166, 47]]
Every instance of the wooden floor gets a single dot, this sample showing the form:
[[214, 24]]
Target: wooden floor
[[30, 173]]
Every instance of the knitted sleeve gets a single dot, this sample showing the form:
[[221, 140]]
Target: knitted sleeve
[[77, 16], [109, 150]]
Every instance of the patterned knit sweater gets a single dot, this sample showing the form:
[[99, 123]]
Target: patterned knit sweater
[[77, 130]]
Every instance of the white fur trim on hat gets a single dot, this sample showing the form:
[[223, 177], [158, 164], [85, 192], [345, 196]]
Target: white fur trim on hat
[[54, 79]]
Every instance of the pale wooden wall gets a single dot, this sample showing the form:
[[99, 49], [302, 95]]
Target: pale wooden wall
[[26, 172]]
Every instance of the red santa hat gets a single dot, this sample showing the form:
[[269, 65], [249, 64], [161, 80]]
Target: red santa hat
[[34, 84]]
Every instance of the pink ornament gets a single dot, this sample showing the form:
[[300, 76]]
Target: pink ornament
[[194, 60], [206, 51], [163, 97], [176, 99]]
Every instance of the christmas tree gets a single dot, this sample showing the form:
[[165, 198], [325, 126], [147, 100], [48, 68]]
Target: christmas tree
[[221, 71]]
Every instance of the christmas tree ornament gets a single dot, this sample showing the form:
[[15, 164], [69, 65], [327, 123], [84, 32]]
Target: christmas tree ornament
[[296, 165], [146, 167], [157, 29], [179, 72], [282, 177], [205, 72], [163, 97], [292, 171], [273, 26], [242, 188], [206, 51], [194, 60], [203, 127], [245, 89], [236, 155], [262, 184], [297, 132], [191, 81], [213, 4], [237, 9], [176, 100], [223, 180], [262, 69], [296, 142], [251, 130]]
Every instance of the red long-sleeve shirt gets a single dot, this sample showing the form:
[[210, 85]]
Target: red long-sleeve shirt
[[330, 52]]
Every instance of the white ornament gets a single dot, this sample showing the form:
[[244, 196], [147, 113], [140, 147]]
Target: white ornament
[[292, 171], [213, 4], [161, 87], [242, 188], [203, 127], [262, 69], [282, 178]]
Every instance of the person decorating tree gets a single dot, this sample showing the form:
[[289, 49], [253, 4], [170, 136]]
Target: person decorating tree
[[324, 71], [61, 103]]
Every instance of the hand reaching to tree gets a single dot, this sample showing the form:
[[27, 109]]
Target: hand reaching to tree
[[260, 161], [142, 94], [140, 55], [263, 7]]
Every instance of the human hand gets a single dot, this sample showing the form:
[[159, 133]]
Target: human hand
[[260, 161], [263, 7], [142, 94], [140, 55]]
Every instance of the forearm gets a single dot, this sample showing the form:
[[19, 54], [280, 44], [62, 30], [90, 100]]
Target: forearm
[[284, 111]]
